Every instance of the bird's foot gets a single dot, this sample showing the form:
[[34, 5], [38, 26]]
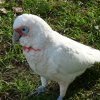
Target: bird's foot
[[60, 98], [39, 90]]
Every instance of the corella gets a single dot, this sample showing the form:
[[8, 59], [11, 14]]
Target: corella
[[51, 55]]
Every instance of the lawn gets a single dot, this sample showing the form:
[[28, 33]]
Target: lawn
[[76, 19]]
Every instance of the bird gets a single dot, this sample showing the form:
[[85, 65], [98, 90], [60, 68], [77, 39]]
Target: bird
[[51, 55]]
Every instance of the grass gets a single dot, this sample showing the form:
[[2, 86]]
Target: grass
[[77, 19]]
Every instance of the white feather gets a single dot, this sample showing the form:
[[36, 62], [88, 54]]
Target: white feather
[[61, 59]]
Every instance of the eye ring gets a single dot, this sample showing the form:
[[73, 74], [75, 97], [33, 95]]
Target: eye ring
[[25, 30]]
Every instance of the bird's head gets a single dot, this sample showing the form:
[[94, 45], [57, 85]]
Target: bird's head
[[27, 27]]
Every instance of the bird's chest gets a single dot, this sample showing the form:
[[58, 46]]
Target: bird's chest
[[33, 56], [36, 61]]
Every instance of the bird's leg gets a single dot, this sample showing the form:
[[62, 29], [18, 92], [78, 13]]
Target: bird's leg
[[42, 87], [63, 88]]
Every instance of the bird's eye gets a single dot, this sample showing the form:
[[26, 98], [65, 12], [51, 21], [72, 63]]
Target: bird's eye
[[25, 30]]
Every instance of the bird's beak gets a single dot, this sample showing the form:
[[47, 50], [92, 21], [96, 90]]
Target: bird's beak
[[15, 37]]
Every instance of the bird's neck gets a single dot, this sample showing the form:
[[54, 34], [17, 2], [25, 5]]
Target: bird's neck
[[43, 41]]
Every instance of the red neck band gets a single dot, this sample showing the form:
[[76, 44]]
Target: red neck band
[[30, 48]]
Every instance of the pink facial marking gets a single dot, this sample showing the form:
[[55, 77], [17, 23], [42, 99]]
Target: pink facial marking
[[19, 31], [25, 48]]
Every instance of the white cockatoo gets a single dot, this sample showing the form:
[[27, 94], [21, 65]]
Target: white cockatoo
[[51, 55]]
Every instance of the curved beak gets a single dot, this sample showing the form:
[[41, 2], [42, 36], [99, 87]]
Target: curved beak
[[15, 37]]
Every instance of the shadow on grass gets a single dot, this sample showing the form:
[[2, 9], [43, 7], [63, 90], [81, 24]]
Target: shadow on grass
[[86, 81]]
